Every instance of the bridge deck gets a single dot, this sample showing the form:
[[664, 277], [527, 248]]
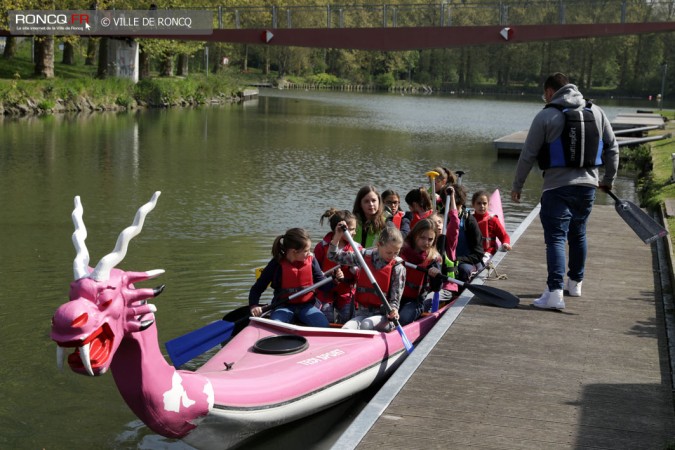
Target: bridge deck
[[596, 375]]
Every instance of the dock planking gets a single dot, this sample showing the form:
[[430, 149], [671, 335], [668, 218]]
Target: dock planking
[[596, 375]]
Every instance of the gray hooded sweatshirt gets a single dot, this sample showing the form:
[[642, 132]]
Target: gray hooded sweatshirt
[[547, 126]]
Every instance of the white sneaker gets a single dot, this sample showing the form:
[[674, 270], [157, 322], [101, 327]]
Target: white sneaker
[[550, 300], [573, 288]]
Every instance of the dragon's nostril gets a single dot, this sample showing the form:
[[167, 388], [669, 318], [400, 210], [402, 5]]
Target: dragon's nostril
[[80, 320]]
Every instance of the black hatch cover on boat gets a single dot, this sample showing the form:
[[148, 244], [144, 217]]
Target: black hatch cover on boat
[[283, 344]]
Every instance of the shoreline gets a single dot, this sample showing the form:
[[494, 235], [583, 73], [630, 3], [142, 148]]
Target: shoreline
[[86, 104]]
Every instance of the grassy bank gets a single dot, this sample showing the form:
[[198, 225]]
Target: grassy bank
[[658, 185], [75, 88]]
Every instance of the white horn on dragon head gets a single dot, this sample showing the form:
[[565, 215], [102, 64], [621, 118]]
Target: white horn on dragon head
[[81, 262], [109, 261]]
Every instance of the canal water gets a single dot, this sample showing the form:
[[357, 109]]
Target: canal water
[[232, 178]]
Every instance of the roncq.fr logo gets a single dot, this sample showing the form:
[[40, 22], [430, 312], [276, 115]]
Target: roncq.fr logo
[[51, 19]]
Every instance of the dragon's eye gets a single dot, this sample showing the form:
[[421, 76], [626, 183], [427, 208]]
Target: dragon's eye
[[79, 321]]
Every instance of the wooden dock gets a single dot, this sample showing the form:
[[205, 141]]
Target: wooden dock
[[596, 375], [634, 124], [627, 121]]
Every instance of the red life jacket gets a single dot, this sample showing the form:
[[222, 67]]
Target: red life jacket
[[366, 294], [487, 229], [341, 294], [414, 279], [294, 278], [416, 218], [397, 218]]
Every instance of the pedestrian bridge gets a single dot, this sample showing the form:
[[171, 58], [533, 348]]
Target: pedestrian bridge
[[454, 23], [414, 26]]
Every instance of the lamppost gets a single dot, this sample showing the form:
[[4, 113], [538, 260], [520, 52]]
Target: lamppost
[[664, 69]]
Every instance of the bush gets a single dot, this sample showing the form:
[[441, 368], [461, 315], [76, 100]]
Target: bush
[[325, 79], [385, 81]]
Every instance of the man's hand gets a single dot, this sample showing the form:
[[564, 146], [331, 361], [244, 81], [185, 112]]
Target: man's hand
[[515, 196]]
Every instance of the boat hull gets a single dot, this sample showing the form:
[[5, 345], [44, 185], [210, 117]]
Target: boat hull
[[261, 391]]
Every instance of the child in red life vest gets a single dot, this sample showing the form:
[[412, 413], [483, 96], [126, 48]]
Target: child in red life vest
[[392, 206], [337, 304], [490, 226], [388, 272], [291, 269], [419, 248], [420, 207]]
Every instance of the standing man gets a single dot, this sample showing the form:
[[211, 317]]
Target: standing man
[[569, 139]]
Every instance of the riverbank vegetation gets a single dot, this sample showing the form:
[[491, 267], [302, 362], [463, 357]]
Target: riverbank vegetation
[[658, 185], [623, 66], [75, 87]]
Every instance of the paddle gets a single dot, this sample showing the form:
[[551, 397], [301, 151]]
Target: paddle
[[440, 245], [489, 294], [432, 174], [644, 226], [183, 348], [406, 342], [459, 174]]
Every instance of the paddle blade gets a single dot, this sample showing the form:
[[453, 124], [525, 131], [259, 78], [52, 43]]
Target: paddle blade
[[494, 296], [183, 348], [644, 226], [435, 301], [406, 342]]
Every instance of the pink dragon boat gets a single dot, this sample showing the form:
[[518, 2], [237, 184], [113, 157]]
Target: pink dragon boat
[[269, 374]]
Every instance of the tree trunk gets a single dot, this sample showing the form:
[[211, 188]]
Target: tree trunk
[[244, 64], [217, 55], [91, 52], [44, 57], [10, 47], [589, 68], [143, 64], [623, 68], [182, 70], [267, 61], [166, 69], [638, 69], [461, 74], [68, 54], [102, 71], [545, 61]]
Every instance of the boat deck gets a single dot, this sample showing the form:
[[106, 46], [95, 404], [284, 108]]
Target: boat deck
[[596, 375]]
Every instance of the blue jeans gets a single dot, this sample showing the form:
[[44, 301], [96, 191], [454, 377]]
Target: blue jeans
[[338, 315], [305, 313], [409, 312], [466, 271], [564, 214]]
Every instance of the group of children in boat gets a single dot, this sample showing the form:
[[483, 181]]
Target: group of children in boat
[[399, 248]]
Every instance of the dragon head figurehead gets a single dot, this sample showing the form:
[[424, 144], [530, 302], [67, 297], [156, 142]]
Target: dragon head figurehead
[[104, 305]]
